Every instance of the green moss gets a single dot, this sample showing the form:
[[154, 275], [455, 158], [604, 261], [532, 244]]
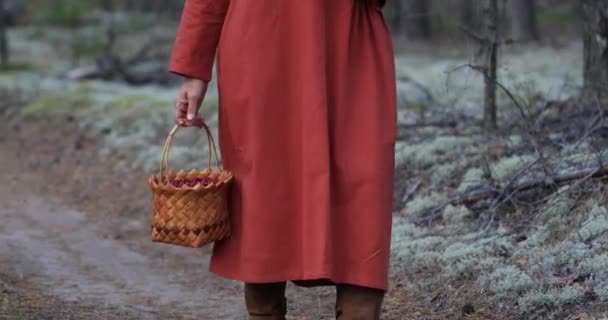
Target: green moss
[[88, 44], [556, 17], [38, 34], [65, 12], [136, 23], [419, 107], [209, 106], [12, 314], [57, 103], [17, 68], [128, 102]]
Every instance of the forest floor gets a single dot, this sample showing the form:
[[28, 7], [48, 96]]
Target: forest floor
[[76, 155], [74, 242]]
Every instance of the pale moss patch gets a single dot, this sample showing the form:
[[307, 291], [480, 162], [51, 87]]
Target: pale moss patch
[[460, 250], [419, 251], [455, 214], [597, 266], [557, 208], [428, 259], [596, 225], [402, 228], [426, 154], [473, 266], [542, 299], [427, 243], [477, 247], [443, 172], [508, 167], [422, 203], [602, 293], [555, 214], [547, 259], [515, 140], [473, 177], [507, 280], [534, 240]]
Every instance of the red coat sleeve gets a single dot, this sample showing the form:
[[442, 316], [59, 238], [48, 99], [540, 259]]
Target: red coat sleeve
[[197, 38]]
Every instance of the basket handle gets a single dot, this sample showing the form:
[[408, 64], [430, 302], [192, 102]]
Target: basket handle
[[164, 160]]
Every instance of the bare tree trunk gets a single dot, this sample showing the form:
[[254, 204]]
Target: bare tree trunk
[[108, 5], [469, 15], [395, 19], [490, 14], [523, 20], [130, 5], [417, 19], [3, 37], [595, 38], [162, 7], [146, 5], [176, 8]]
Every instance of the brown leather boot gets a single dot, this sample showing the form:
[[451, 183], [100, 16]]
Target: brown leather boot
[[266, 301], [358, 303]]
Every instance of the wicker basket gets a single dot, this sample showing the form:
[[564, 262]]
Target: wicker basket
[[185, 213]]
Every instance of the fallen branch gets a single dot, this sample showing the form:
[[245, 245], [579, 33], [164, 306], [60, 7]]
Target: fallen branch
[[485, 193], [110, 66], [438, 123]]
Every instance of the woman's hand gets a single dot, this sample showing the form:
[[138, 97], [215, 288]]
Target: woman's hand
[[189, 100]]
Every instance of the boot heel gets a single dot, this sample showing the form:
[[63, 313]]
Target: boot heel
[[266, 301]]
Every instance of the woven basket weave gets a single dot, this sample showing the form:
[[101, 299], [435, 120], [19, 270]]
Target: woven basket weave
[[190, 216]]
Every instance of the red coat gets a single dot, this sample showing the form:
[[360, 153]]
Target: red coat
[[307, 123]]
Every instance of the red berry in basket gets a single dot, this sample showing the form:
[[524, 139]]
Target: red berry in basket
[[192, 182]]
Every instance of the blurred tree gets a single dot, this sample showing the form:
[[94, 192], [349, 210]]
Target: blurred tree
[[394, 15], [595, 47], [523, 20], [107, 5], [146, 5], [417, 19], [469, 14], [130, 5], [490, 46], [3, 37]]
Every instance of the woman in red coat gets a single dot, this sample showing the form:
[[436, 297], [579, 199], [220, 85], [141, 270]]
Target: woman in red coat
[[307, 122]]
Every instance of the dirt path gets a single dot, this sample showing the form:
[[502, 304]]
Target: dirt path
[[65, 253], [74, 241]]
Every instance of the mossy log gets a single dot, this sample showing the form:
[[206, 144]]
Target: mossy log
[[486, 192]]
